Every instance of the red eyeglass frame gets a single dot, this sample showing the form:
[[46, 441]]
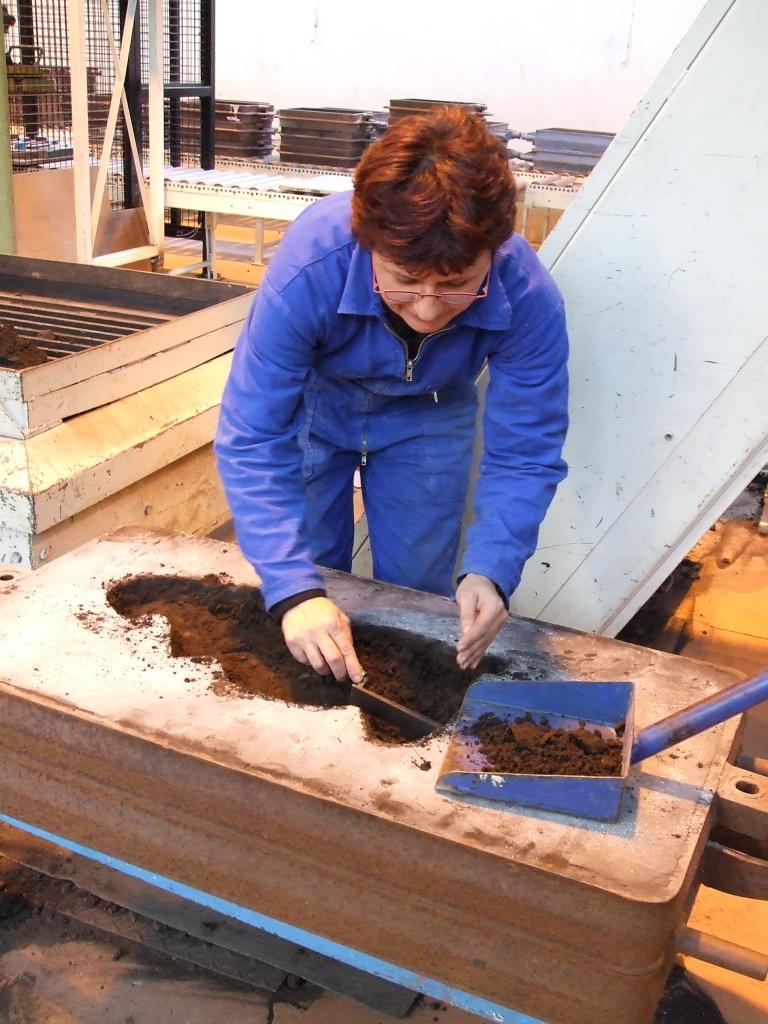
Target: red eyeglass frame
[[465, 296]]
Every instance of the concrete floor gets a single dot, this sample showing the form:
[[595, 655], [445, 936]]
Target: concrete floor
[[53, 971]]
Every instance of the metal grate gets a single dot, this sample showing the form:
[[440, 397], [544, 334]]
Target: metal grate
[[61, 328]]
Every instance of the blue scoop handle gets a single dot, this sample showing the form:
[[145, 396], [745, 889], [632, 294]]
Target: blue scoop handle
[[695, 719]]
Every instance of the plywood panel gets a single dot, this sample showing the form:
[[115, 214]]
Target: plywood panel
[[45, 218], [185, 496]]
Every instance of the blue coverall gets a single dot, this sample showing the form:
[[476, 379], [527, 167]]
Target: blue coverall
[[320, 385]]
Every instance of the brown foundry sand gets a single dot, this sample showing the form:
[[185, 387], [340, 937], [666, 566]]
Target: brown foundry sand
[[536, 748], [16, 351], [212, 618]]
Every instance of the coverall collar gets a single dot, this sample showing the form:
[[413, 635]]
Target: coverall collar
[[492, 313]]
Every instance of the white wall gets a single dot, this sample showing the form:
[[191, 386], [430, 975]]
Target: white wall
[[559, 63]]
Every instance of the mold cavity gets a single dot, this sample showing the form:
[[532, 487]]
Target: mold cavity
[[212, 618]]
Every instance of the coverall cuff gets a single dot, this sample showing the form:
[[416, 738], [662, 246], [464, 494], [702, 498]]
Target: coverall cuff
[[277, 611], [499, 591]]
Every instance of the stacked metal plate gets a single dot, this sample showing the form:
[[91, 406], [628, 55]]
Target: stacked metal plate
[[327, 136], [244, 129], [399, 109], [564, 149], [500, 128]]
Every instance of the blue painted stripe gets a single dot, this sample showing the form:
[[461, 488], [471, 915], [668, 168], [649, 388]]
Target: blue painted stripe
[[345, 954]]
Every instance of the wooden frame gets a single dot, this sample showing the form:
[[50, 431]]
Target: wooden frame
[[88, 209], [70, 483], [201, 321]]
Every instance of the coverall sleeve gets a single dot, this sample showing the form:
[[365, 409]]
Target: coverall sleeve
[[257, 448], [524, 426]]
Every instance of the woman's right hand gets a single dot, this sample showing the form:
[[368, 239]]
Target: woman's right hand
[[317, 633]]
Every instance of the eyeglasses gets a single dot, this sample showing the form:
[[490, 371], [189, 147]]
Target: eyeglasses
[[449, 298]]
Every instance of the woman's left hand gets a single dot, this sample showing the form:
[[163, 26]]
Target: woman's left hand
[[481, 614]]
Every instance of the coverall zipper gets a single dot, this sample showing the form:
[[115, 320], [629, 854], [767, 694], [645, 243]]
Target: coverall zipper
[[409, 363]]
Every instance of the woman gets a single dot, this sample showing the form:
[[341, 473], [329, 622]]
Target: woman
[[361, 349]]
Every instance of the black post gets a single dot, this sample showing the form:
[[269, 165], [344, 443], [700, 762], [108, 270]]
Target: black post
[[208, 99], [174, 76], [174, 103], [191, 106], [207, 78], [29, 104], [132, 194]]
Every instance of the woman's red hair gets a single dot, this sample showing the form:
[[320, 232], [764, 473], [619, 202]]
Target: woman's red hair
[[434, 193]]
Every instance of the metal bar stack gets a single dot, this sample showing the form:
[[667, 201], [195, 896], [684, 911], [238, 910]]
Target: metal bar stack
[[400, 108], [327, 136], [563, 149], [244, 129]]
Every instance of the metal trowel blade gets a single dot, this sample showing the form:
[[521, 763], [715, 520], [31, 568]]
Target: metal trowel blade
[[411, 723]]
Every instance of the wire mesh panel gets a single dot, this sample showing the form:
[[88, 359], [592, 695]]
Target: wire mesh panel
[[36, 44], [36, 56]]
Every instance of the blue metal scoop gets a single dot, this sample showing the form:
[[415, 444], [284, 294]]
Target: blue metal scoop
[[604, 706]]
